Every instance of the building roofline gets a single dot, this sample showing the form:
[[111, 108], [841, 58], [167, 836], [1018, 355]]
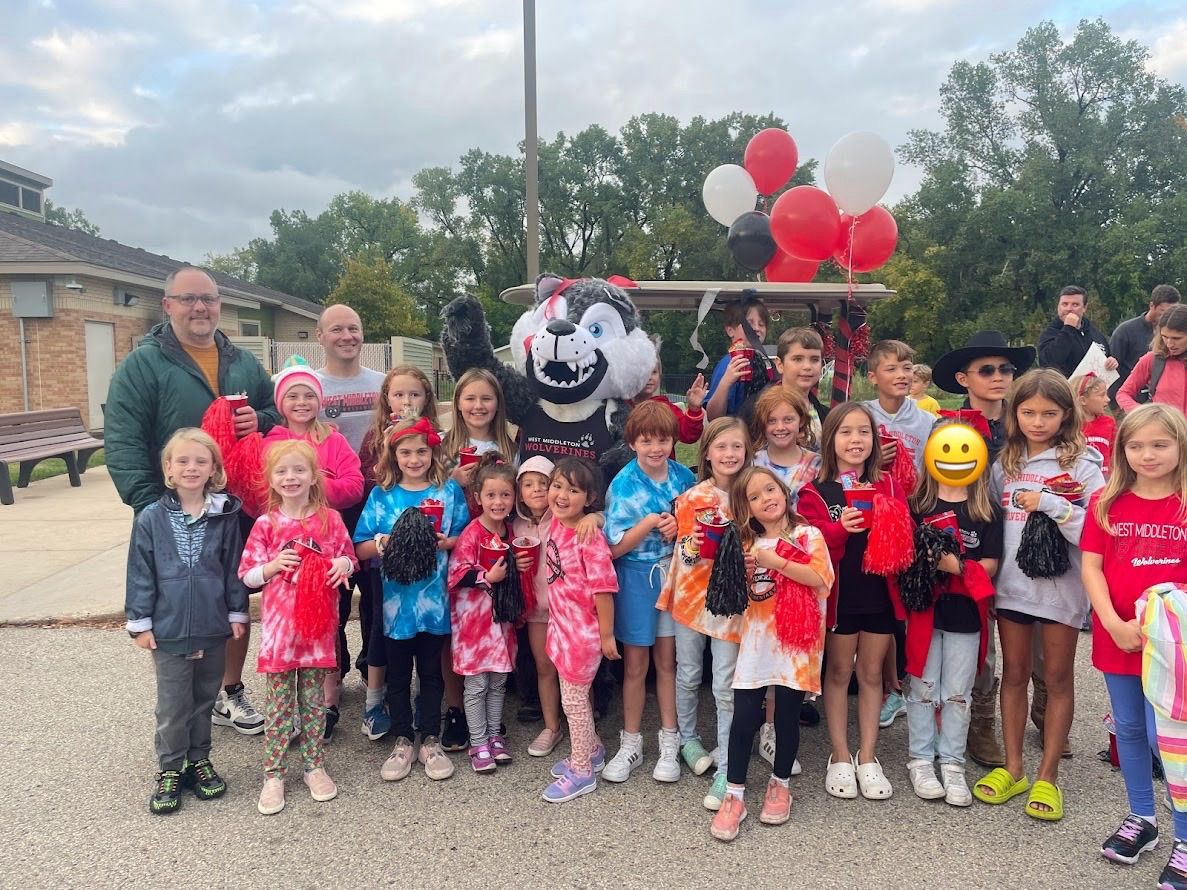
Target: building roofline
[[14, 170]]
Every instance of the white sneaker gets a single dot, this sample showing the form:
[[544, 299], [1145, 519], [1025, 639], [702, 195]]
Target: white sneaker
[[667, 768], [956, 789], [766, 743], [924, 781], [627, 760], [236, 710]]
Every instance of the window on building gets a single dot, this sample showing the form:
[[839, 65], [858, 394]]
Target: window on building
[[10, 194], [249, 328], [31, 200]]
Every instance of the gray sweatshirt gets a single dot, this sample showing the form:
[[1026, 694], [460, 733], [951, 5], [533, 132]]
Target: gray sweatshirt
[[349, 402], [911, 426], [1060, 599]]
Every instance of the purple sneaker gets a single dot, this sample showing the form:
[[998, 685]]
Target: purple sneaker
[[481, 759], [499, 750], [569, 786], [597, 761]]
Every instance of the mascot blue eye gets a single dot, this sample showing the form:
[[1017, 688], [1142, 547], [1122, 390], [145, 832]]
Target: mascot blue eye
[[596, 329]]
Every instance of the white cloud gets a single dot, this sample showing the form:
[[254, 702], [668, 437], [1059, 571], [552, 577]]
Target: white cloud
[[1169, 54]]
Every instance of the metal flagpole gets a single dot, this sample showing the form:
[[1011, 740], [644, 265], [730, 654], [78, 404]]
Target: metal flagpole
[[531, 163]]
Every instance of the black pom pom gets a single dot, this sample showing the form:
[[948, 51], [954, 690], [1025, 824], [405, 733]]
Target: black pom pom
[[917, 585], [411, 552], [728, 592], [1042, 551], [507, 595]]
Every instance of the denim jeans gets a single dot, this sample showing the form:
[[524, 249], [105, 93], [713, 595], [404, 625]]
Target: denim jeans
[[690, 654], [947, 686]]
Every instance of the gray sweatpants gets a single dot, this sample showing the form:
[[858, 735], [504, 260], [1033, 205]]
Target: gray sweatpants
[[186, 690]]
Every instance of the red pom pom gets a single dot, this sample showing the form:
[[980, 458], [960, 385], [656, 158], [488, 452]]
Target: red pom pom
[[826, 335], [219, 425], [903, 468], [529, 594], [891, 547], [859, 343], [799, 620], [315, 605], [245, 473]]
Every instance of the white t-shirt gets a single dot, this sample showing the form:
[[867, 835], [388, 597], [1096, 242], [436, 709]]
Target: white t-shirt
[[349, 402]]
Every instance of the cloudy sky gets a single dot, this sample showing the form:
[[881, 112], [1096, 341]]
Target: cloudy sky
[[179, 125]]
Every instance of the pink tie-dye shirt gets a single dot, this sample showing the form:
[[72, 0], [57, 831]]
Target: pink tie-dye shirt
[[576, 574], [479, 643], [280, 650]]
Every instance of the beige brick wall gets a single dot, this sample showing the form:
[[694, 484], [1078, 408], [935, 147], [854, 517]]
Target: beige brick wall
[[289, 325]]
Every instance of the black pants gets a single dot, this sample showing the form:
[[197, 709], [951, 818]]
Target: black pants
[[525, 671], [749, 714], [425, 649], [376, 649]]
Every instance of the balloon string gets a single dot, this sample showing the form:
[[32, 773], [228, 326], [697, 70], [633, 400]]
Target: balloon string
[[849, 265]]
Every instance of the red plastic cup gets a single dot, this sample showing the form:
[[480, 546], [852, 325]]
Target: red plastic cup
[[887, 439], [488, 555], [436, 514], [862, 499], [947, 522], [712, 532], [468, 456], [237, 401], [527, 546], [747, 353]]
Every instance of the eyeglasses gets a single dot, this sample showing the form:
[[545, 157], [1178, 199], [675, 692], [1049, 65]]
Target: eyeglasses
[[188, 300], [1006, 370]]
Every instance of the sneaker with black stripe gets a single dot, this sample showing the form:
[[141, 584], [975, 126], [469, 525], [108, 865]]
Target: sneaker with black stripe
[[201, 778], [167, 798]]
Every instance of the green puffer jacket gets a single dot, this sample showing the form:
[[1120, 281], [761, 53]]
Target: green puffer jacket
[[156, 391]]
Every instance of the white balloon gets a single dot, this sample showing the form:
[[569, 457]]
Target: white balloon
[[858, 171], [729, 192]]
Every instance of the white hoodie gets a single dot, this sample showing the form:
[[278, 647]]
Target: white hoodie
[[1060, 599]]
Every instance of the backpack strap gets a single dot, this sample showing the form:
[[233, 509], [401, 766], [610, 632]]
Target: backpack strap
[[1156, 368]]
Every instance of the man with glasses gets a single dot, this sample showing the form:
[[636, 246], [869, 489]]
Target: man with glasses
[[166, 383], [984, 369], [1070, 335]]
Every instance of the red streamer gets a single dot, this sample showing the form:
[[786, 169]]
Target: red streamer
[[798, 623], [219, 424], [245, 473], [315, 605], [891, 547]]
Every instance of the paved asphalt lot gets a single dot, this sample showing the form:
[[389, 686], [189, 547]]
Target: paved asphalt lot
[[76, 769]]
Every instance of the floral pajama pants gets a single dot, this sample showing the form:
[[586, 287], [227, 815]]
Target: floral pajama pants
[[294, 697], [583, 739]]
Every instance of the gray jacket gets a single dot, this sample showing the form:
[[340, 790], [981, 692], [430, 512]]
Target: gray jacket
[[1060, 599], [183, 576], [1130, 341]]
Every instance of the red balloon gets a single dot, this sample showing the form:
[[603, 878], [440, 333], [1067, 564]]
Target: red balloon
[[805, 223], [785, 267], [874, 238], [770, 159]]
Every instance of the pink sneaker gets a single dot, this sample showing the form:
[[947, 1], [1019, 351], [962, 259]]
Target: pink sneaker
[[728, 818], [321, 786], [481, 759], [545, 742], [498, 750], [776, 806]]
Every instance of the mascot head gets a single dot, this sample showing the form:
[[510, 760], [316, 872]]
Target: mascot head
[[582, 342]]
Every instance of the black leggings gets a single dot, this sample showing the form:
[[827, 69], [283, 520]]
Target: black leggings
[[425, 650], [749, 714]]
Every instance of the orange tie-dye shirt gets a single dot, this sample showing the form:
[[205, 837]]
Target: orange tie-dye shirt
[[683, 593]]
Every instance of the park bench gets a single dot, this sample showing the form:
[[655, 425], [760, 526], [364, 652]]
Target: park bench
[[29, 437]]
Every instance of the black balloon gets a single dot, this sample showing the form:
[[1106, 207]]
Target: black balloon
[[750, 241]]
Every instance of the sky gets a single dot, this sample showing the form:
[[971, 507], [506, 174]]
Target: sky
[[179, 126]]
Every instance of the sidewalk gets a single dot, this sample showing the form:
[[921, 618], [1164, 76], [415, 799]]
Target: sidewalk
[[63, 551]]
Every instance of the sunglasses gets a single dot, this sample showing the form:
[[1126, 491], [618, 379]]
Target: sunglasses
[[1006, 370]]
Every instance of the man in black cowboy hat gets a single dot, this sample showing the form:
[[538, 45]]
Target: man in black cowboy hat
[[984, 368]]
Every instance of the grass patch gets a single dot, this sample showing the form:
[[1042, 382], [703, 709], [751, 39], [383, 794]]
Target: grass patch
[[47, 469]]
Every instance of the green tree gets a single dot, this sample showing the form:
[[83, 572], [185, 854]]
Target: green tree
[[1059, 163], [385, 308], [239, 263], [69, 219]]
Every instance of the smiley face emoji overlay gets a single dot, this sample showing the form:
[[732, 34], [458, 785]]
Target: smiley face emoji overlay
[[955, 454]]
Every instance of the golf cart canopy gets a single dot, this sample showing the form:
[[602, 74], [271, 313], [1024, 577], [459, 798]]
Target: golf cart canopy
[[826, 297]]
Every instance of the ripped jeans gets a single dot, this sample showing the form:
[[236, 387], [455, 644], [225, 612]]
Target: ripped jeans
[[946, 686]]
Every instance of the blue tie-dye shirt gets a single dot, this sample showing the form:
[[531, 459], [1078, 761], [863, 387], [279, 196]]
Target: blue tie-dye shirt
[[423, 607], [632, 495]]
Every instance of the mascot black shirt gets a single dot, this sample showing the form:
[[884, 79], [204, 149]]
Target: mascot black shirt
[[587, 438]]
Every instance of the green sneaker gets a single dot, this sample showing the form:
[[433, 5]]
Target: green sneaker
[[201, 778], [696, 757], [167, 797], [716, 792]]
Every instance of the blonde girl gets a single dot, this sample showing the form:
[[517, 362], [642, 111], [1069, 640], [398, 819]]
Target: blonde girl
[[725, 451], [1134, 538], [1100, 429], [1044, 440], [298, 520]]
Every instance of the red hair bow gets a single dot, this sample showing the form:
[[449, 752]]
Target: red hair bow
[[970, 417], [423, 427]]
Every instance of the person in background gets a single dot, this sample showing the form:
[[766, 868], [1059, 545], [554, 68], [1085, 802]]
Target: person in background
[[690, 422], [800, 357], [1067, 339], [1161, 374], [1131, 339], [727, 391], [1092, 397], [920, 381], [889, 368], [166, 383]]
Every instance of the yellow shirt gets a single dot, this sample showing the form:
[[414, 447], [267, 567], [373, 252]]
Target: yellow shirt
[[206, 358], [927, 403]]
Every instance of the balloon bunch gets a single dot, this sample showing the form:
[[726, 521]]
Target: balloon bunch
[[806, 225]]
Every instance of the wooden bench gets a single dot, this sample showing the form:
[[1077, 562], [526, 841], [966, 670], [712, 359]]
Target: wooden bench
[[29, 437]]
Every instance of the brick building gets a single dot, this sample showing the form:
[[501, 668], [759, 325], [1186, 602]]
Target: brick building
[[72, 305]]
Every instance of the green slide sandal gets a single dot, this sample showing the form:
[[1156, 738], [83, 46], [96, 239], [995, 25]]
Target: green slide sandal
[[1046, 794], [1002, 787]]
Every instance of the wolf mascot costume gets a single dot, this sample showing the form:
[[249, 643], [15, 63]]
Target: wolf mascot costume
[[579, 355]]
